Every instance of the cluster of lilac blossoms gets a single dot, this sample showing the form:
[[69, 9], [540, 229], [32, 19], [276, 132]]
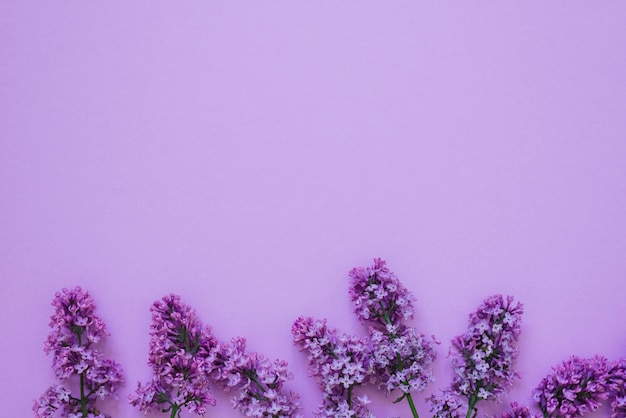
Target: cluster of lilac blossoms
[[577, 386], [181, 355], [616, 384], [401, 357], [75, 332], [483, 357], [520, 411], [256, 382], [340, 363]]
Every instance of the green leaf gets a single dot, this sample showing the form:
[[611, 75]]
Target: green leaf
[[400, 398]]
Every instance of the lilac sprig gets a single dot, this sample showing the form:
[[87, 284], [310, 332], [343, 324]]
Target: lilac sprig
[[255, 382], [447, 405], [340, 363], [483, 357], [75, 332], [401, 357], [577, 386], [181, 356], [378, 296], [520, 411], [616, 384]]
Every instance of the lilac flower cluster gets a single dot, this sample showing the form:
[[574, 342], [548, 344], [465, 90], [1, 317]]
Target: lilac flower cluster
[[577, 386], [484, 355], [401, 357], [378, 296], [75, 332], [448, 405], [256, 381], [518, 411], [616, 384], [181, 356], [339, 361]]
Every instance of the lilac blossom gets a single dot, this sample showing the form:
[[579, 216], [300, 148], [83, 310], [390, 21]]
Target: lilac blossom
[[340, 363], [616, 384], [577, 386], [448, 405], [483, 357], [181, 356], [401, 357], [75, 332], [518, 411], [256, 382], [378, 296]]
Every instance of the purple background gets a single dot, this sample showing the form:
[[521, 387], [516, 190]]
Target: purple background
[[247, 155]]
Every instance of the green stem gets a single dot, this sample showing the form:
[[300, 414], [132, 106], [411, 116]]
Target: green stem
[[409, 398], [350, 396], [473, 400], [83, 398], [255, 380], [175, 410]]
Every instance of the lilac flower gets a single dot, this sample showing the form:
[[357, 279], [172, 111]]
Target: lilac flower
[[379, 297], [181, 357], [483, 357], [576, 387], [339, 361], [616, 384], [75, 332], [401, 357], [402, 361], [447, 405], [256, 382], [520, 412]]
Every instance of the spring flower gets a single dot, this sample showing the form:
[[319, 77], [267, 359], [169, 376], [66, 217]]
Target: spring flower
[[518, 411], [401, 357], [483, 357], [378, 296], [255, 382], [447, 405], [340, 363], [616, 384], [577, 386], [75, 332], [181, 357]]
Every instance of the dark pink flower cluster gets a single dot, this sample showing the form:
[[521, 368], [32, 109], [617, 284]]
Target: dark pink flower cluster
[[483, 357], [401, 357], [75, 332], [181, 356], [340, 363], [577, 386], [256, 382]]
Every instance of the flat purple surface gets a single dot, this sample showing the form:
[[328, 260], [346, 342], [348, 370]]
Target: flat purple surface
[[247, 155]]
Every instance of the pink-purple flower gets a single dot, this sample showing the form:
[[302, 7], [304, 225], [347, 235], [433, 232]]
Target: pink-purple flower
[[401, 357], [181, 355], [483, 357], [378, 296], [447, 405], [256, 383], [75, 332], [520, 411], [340, 363], [577, 386], [616, 384]]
